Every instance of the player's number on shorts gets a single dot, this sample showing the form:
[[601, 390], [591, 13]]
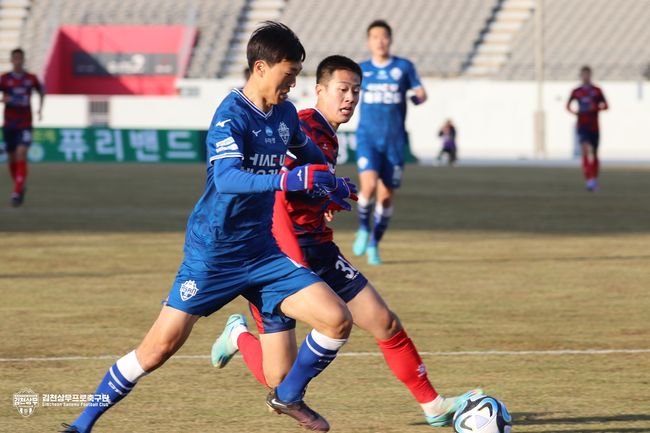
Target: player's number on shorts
[[345, 267]]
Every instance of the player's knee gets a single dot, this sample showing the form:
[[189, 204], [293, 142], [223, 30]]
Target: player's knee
[[153, 357], [339, 323], [386, 202], [386, 325]]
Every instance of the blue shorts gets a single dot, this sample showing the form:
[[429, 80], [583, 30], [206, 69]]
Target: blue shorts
[[201, 288], [588, 136], [328, 263], [389, 167], [14, 137]]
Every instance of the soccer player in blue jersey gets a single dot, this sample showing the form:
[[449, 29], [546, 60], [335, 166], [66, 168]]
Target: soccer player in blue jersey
[[381, 136], [229, 247], [300, 227]]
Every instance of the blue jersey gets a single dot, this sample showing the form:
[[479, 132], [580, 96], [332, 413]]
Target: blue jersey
[[229, 225], [383, 101]]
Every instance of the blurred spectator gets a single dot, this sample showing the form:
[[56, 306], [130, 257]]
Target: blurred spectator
[[447, 136]]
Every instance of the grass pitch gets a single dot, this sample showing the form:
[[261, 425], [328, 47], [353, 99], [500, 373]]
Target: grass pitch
[[517, 260]]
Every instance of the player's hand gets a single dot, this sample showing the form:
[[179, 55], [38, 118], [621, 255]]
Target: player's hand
[[415, 100], [344, 189], [307, 178], [329, 216]]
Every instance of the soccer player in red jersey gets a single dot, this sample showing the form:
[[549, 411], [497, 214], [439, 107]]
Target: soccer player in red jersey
[[300, 228], [16, 87], [591, 101]]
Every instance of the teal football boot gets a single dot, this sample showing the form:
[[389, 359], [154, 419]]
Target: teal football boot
[[223, 348]]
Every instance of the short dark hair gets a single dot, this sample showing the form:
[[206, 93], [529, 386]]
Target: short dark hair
[[330, 64], [585, 68], [273, 43], [380, 23], [18, 51]]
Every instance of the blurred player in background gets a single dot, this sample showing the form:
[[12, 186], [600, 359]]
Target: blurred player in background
[[447, 136], [16, 87], [590, 100], [229, 247], [300, 227], [381, 135]]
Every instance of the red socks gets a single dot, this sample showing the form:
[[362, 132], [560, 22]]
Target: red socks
[[403, 359], [12, 170], [251, 350], [20, 175], [587, 167], [595, 167]]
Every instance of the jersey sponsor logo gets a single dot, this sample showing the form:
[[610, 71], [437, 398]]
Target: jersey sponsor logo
[[395, 73], [368, 73], [268, 131], [382, 93], [382, 75], [256, 133], [222, 123], [188, 290], [283, 130], [259, 161]]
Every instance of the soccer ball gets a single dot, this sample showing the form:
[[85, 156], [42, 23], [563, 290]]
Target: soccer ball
[[482, 414]]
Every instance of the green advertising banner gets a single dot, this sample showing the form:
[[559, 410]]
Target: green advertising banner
[[116, 145], [140, 145]]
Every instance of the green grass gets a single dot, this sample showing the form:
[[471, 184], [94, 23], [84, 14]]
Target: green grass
[[477, 259]]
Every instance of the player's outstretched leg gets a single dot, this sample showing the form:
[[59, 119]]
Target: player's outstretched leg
[[371, 313], [332, 324], [368, 183], [381, 219], [364, 206], [165, 337]]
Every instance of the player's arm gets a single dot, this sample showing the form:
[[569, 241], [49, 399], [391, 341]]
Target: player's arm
[[602, 102], [226, 151], [569, 106], [419, 93]]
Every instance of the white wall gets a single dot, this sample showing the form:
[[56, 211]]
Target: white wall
[[494, 118]]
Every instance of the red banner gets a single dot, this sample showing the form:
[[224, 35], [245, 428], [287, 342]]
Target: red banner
[[118, 60]]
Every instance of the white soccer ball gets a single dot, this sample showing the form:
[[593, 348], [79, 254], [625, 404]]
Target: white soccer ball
[[482, 414]]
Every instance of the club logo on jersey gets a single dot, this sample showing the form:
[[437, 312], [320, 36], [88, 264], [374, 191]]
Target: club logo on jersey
[[188, 290], [283, 130], [222, 123], [396, 73]]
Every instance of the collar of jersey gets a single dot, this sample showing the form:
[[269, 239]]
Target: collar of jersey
[[325, 120], [385, 65], [253, 106]]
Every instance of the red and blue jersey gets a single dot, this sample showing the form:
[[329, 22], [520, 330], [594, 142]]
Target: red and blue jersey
[[589, 98], [17, 89], [307, 212]]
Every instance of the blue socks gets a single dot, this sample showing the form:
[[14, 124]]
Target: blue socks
[[364, 206], [382, 217], [315, 354], [113, 388]]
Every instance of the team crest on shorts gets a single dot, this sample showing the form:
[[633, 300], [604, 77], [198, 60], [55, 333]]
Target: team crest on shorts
[[283, 130], [188, 290]]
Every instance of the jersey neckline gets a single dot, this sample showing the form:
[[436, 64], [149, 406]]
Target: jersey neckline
[[382, 66], [253, 106]]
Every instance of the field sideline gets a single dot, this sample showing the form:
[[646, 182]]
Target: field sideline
[[512, 279]]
